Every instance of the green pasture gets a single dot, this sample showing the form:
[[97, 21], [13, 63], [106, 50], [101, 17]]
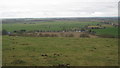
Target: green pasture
[[28, 51], [110, 30]]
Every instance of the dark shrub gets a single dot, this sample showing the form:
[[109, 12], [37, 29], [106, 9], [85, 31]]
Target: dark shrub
[[46, 35], [89, 31], [12, 35], [71, 35], [66, 35], [84, 36], [22, 30], [82, 30], [118, 36], [41, 35], [93, 32], [15, 31], [54, 35], [106, 36], [18, 62], [61, 34], [4, 32]]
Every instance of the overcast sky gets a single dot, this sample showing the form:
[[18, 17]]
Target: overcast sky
[[58, 8]]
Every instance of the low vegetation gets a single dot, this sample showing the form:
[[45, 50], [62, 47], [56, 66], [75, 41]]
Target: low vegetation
[[60, 42], [48, 51]]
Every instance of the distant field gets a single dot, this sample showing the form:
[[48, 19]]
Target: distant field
[[113, 31], [73, 51], [52, 26], [60, 26]]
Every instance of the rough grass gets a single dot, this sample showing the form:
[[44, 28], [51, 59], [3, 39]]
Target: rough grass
[[0, 50], [26, 51]]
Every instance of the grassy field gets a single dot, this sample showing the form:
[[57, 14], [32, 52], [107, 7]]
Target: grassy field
[[53, 26], [30, 51], [113, 31], [36, 49], [0, 50], [60, 26]]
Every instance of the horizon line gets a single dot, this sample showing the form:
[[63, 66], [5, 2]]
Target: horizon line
[[55, 17]]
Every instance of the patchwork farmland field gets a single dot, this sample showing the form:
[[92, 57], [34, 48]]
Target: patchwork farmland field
[[56, 26], [48, 26], [30, 51]]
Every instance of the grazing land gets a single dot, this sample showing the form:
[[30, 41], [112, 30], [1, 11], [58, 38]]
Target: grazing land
[[113, 31], [48, 51], [60, 42]]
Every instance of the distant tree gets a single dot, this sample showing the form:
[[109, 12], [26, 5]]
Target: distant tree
[[89, 31], [36, 30], [40, 31], [15, 31], [104, 27], [98, 24], [4, 32], [93, 32], [82, 29], [22, 30]]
